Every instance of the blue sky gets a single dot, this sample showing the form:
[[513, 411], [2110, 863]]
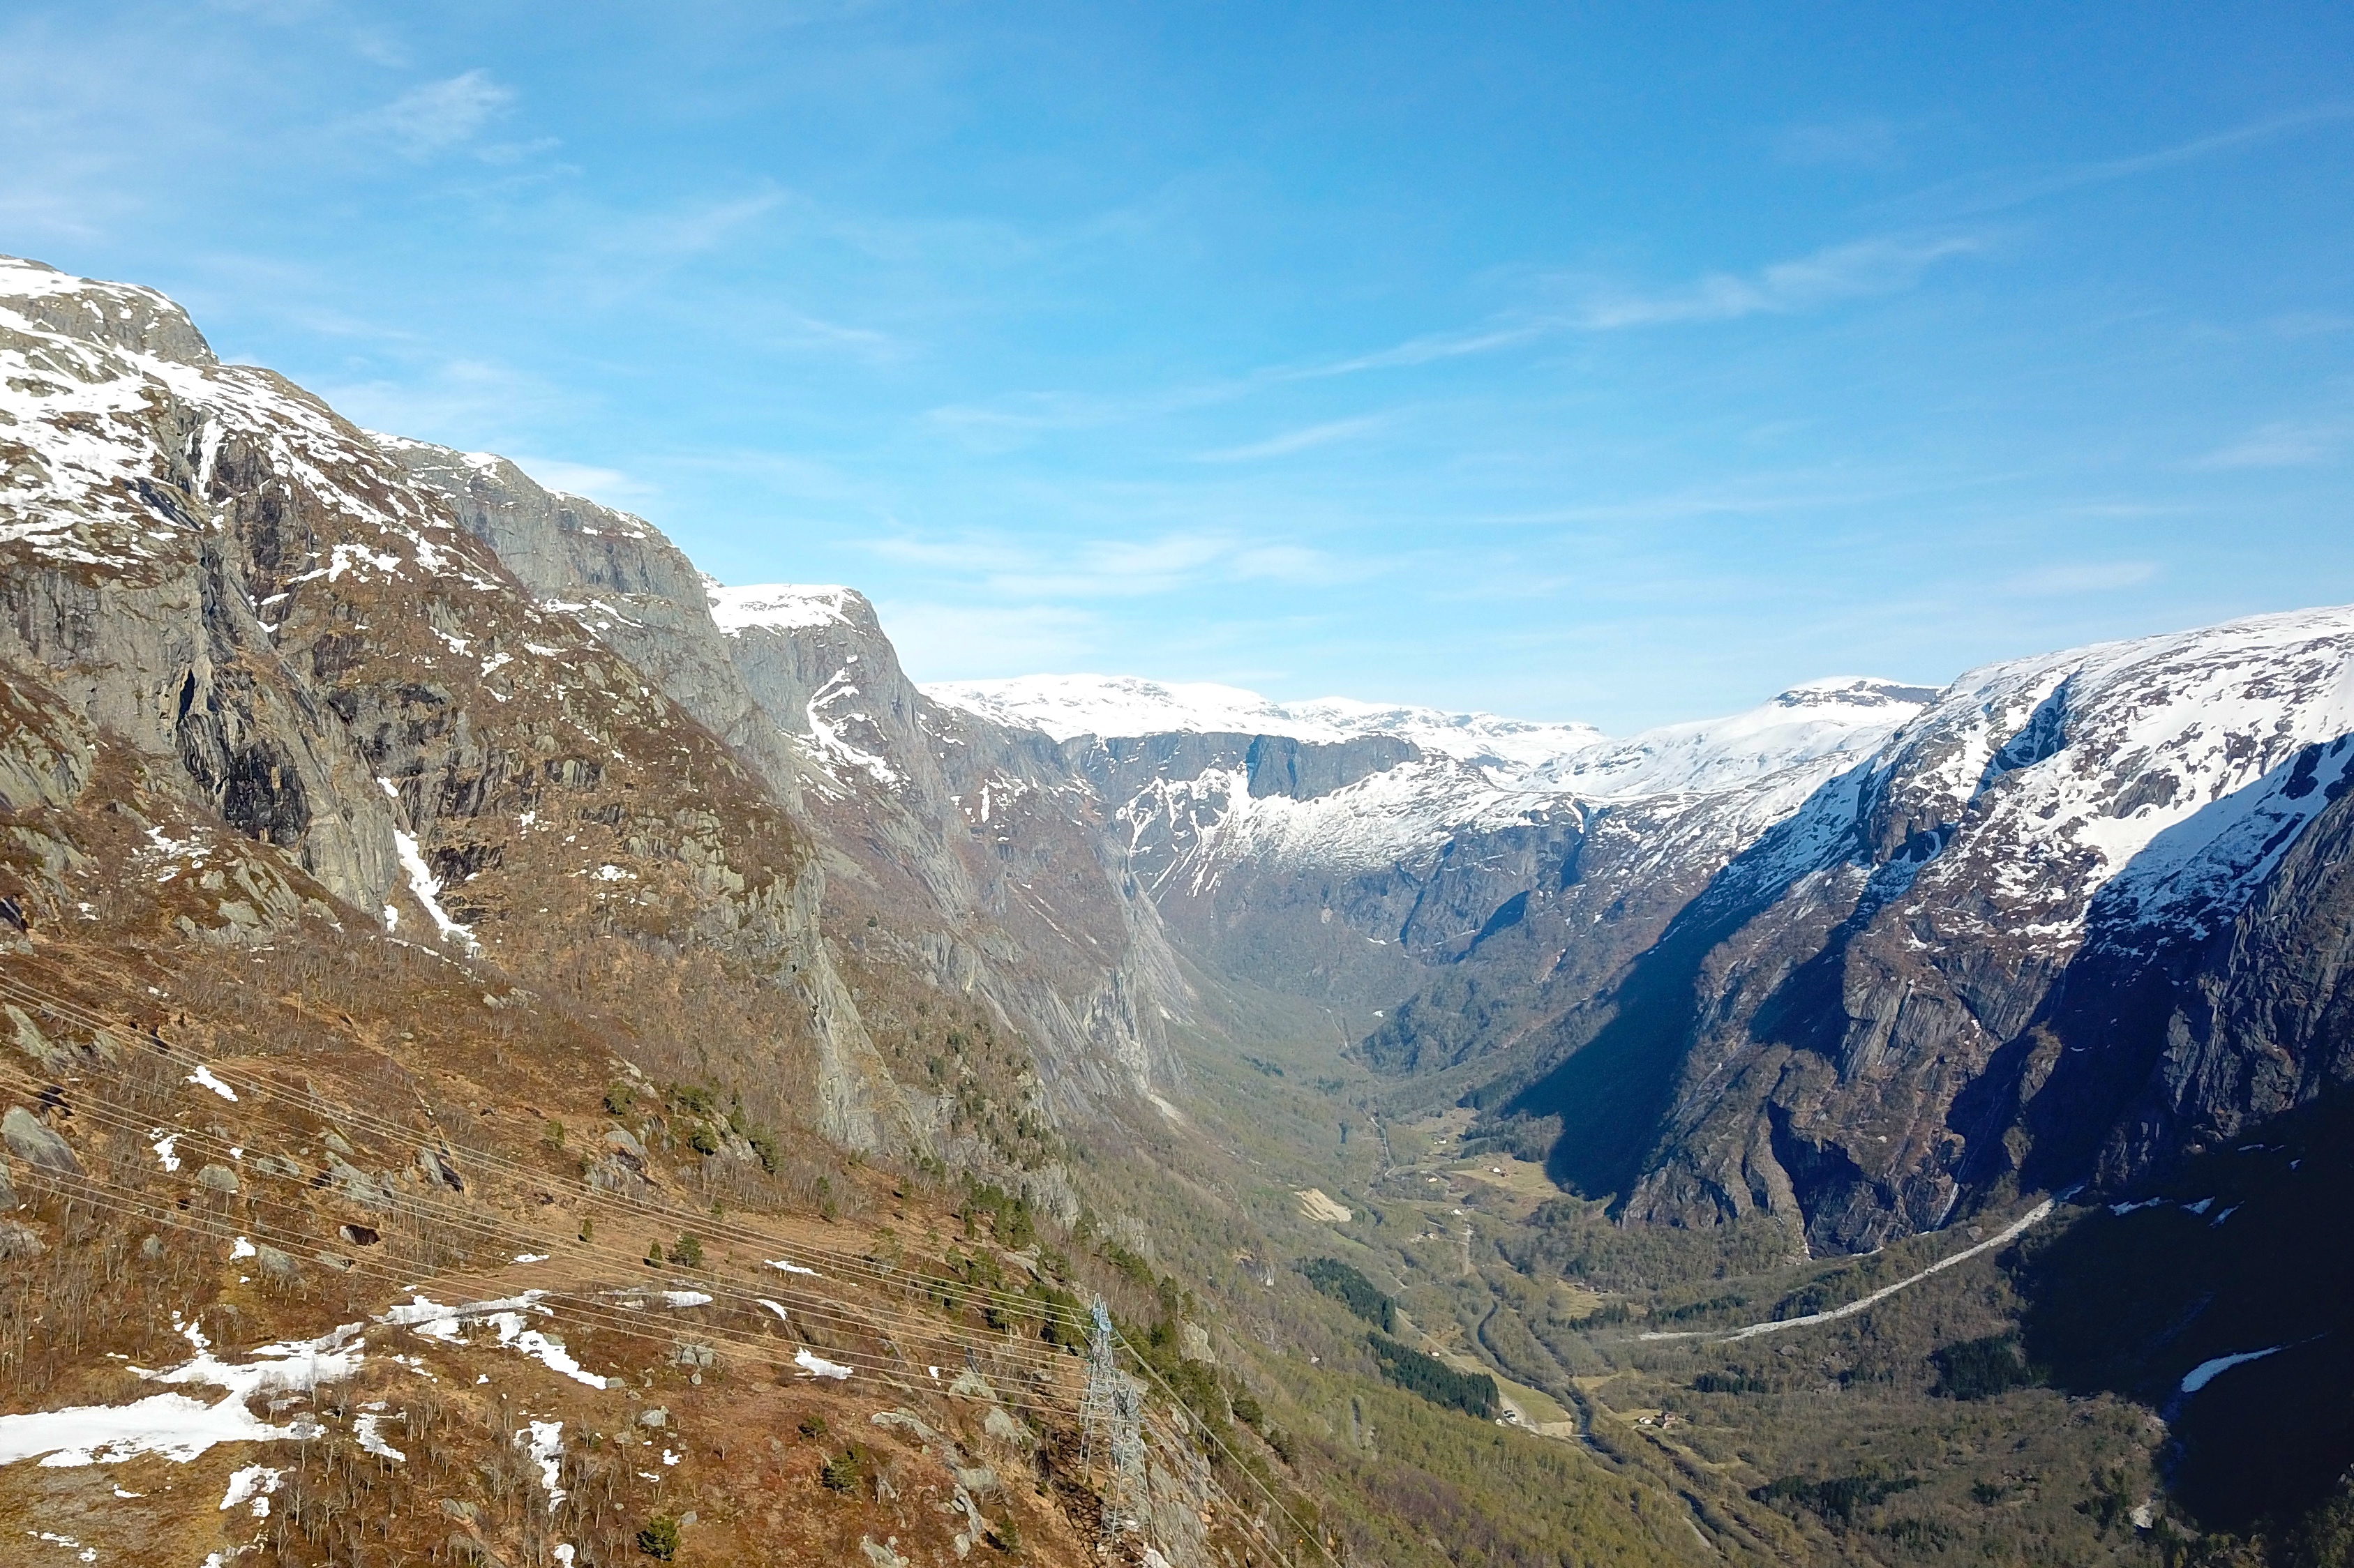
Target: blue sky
[[1617, 364]]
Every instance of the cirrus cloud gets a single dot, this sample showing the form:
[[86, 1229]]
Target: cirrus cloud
[[439, 115]]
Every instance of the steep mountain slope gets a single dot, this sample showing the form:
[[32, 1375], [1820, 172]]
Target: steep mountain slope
[[1919, 980], [979, 855], [235, 593], [340, 869], [808, 692]]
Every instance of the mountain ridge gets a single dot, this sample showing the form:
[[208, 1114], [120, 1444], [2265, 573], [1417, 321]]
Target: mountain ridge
[[1565, 757], [378, 772]]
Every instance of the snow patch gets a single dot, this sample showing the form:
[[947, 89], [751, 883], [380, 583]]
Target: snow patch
[[174, 1425], [428, 889], [2207, 1371], [254, 1483], [370, 1430], [545, 1440], [815, 1365], [780, 606], [504, 1318]]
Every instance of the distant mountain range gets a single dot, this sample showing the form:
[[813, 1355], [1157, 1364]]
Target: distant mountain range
[[1843, 959], [1820, 959], [287, 698]]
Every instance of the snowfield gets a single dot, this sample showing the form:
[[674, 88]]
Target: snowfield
[[2147, 785]]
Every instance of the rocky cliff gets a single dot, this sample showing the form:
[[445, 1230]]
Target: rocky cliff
[[258, 630], [1843, 961], [1983, 950], [807, 691]]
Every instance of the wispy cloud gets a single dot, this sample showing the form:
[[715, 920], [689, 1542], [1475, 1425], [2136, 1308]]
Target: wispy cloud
[[1864, 267], [697, 227], [1300, 440], [1091, 570], [1291, 564], [2081, 577], [1866, 144], [1428, 349], [1754, 494], [280, 13], [439, 116], [1884, 264], [1995, 191], [2287, 444], [797, 329], [2309, 323], [1011, 421]]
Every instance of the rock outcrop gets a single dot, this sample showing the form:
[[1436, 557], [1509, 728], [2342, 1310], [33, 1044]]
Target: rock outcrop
[[228, 612], [1848, 963]]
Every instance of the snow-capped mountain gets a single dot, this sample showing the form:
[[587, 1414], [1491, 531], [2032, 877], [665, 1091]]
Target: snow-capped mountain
[[1843, 959], [1120, 707], [1846, 715], [1997, 938], [2160, 779]]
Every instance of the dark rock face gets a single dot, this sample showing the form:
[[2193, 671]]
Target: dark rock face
[[2171, 1044], [321, 698], [2082, 916], [31, 1141]]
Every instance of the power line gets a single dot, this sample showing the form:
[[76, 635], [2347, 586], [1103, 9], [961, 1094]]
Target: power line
[[488, 1229], [844, 1263], [261, 1087], [578, 1308]]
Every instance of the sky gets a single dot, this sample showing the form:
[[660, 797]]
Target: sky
[[1621, 364]]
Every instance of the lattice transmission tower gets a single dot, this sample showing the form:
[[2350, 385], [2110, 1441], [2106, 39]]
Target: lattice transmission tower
[[1111, 1430]]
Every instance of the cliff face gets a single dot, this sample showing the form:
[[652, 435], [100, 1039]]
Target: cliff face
[[617, 573], [978, 852], [969, 844], [2162, 1041], [227, 592], [2005, 942]]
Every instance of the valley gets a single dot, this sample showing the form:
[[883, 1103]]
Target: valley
[[620, 1071]]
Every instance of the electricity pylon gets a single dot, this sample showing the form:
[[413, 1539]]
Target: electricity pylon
[[1111, 1430]]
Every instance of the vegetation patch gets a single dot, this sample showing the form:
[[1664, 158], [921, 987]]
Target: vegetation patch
[[1353, 1290], [1837, 1500], [1981, 1369], [1474, 1393]]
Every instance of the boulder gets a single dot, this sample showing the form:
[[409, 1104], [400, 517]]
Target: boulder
[[19, 1241], [31, 1140]]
